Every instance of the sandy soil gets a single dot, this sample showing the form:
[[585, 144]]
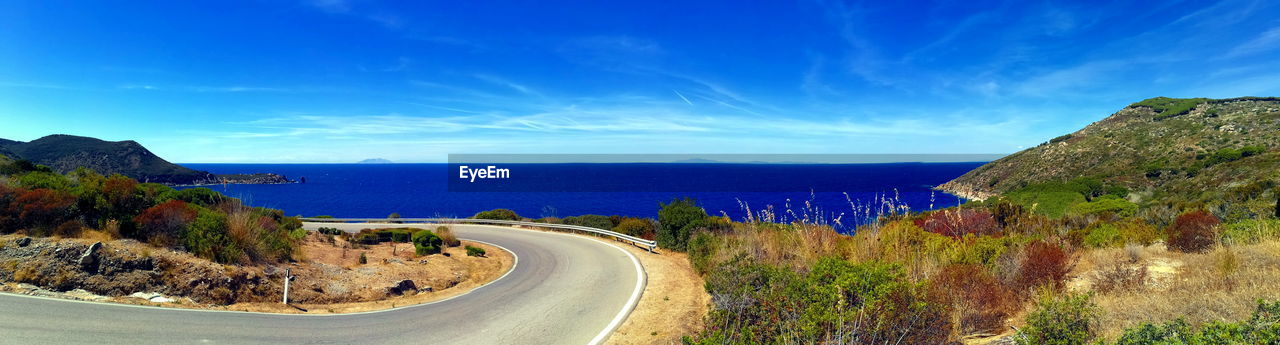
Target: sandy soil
[[673, 305]]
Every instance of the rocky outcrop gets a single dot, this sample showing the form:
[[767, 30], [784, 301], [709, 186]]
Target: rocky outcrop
[[125, 267]]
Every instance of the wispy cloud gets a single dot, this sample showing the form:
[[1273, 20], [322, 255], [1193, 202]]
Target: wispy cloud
[[507, 83], [209, 89], [1264, 42], [682, 97]]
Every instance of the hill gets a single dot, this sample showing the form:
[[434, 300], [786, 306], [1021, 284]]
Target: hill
[[65, 153], [375, 161], [1163, 150]]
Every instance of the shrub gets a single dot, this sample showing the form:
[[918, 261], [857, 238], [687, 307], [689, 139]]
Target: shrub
[[1041, 265], [978, 300], [835, 302], [1262, 328], [363, 259], [45, 180], [702, 249], [206, 237], [638, 227], [1104, 235], [959, 222], [1251, 231], [164, 223], [497, 214], [330, 231], [446, 235], [590, 220], [200, 196], [1106, 203], [1193, 232], [1051, 203], [1065, 320], [426, 242], [41, 209], [676, 222], [475, 251]]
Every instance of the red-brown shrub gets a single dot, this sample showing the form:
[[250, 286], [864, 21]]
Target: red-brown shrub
[[163, 223], [41, 209], [1042, 264], [981, 303], [1193, 232], [958, 222]]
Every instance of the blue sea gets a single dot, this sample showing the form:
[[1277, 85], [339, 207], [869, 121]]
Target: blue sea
[[839, 194]]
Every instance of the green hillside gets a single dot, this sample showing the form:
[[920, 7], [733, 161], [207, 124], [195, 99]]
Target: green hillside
[[1216, 153], [65, 153]]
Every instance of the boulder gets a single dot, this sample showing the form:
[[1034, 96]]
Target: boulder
[[89, 260], [401, 287], [23, 242]]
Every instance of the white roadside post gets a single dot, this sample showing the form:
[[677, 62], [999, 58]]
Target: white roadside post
[[287, 277]]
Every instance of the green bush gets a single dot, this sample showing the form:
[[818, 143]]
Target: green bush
[[497, 214], [1166, 107], [1104, 235], [676, 222], [832, 303], [1053, 204], [702, 248], [43, 179], [1106, 203], [590, 220], [363, 259], [330, 231], [200, 196], [475, 251], [426, 242], [206, 237], [1060, 320], [1262, 328], [638, 227]]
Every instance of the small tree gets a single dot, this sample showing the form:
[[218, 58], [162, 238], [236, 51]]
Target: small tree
[[676, 221], [426, 242]]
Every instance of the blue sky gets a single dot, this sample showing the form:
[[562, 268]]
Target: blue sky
[[411, 81]]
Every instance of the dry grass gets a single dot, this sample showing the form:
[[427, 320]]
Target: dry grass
[[796, 248], [1220, 285]]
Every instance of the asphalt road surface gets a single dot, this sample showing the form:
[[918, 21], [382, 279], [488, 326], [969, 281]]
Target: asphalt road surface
[[563, 290]]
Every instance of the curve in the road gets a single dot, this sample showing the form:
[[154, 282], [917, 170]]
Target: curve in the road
[[564, 289]]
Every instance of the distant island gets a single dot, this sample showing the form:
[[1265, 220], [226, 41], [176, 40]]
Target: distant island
[[66, 153], [375, 161]]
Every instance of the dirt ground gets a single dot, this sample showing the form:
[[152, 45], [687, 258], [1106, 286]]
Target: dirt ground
[[334, 269], [673, 305], [330, 279]]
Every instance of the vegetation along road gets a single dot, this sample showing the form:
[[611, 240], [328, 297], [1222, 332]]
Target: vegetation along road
[[563, 290]]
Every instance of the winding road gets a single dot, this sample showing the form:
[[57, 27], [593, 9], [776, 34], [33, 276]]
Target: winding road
[[563, 289]]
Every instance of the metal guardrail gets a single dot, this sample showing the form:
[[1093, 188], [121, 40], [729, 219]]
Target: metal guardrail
[[647, 244]]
